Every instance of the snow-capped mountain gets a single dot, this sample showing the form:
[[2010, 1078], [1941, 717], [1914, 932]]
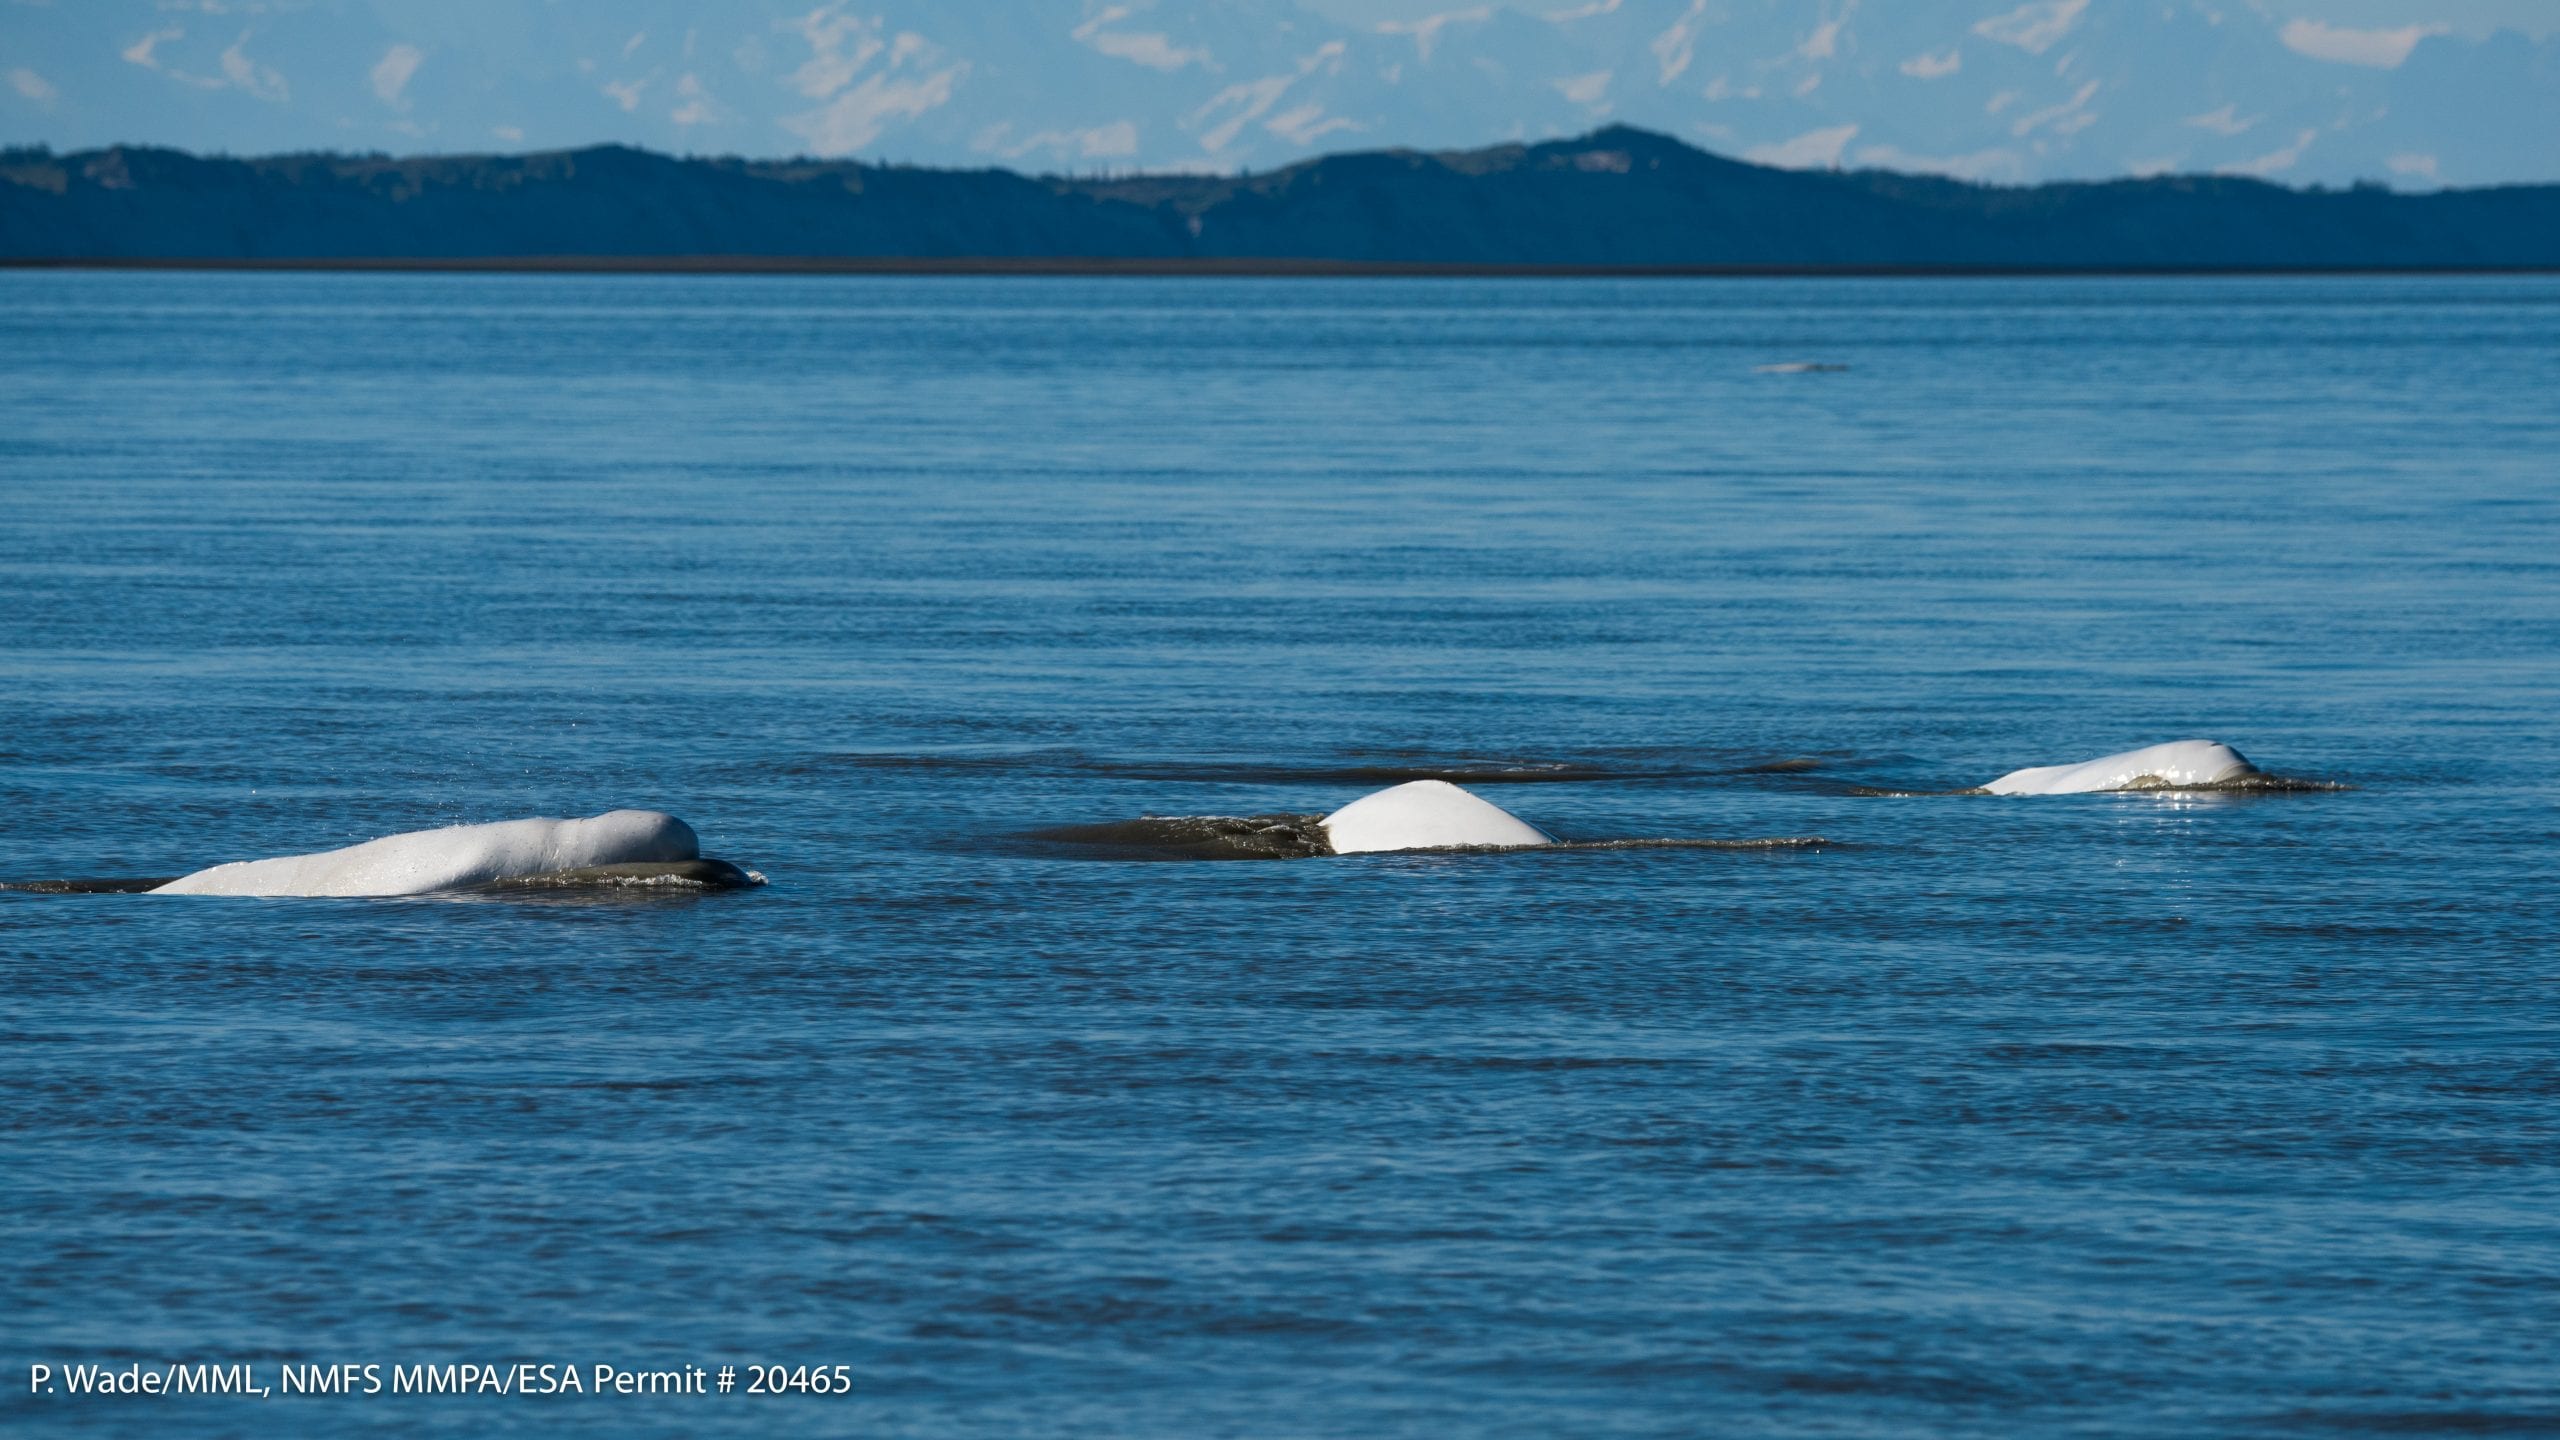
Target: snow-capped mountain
[[1988, 90]]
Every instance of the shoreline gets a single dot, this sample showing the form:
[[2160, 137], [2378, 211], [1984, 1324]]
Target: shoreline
[[1276, 267]]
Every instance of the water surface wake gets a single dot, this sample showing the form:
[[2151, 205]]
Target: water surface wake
[[1194, 837], [88, 886], [1460, 771]]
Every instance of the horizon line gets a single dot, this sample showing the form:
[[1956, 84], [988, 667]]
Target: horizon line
[[1106, 176], [1272, 267]]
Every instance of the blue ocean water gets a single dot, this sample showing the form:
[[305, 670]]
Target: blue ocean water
[[2126, 1115]]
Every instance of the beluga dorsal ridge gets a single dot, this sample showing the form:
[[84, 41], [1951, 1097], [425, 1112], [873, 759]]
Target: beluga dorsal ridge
[[2178, 763], [1426, 815], [459, 857]]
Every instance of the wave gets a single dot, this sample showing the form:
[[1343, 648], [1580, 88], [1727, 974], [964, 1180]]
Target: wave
[[1764, 842], [1376, 774], [108, 886], [1195, 837]]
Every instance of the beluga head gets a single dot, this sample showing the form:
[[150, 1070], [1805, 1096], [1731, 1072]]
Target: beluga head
[[1426, 815]]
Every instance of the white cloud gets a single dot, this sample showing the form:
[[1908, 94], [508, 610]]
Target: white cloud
[[1098, 142], [856, 117], [2225, 121], [1933, 67], [1823, 43], [2423, 166], [1584, 12], [634, 43], [2274, 161], [698, 107], [914, 77], [1675, 47], [626, 93], [1120, 137], [391, 74], [1153, 49], [1980, 165], [1426, 31], [259, 80], [1252, 99], [2070, 117], [839, 46], [139, 52], [1812, 150], [1808, 85], [2034, 27], [237, 68], [1306, 124], [2380, 49], [512, 134], [32, 85], [1584, 89]]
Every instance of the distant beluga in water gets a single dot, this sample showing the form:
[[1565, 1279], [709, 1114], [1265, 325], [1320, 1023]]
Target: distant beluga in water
[[620, 847], [2179, 763], [1426, 815]]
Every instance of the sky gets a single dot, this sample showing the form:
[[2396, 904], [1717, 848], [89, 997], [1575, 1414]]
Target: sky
[[2412, 93], [2463, 17]]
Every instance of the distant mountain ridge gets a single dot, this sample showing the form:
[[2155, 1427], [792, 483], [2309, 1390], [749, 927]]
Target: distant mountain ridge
[[1619, 197]]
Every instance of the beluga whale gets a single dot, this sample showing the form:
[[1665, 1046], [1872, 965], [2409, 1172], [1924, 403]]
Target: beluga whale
[[619, 847], [2178, 764], [1426, 815]]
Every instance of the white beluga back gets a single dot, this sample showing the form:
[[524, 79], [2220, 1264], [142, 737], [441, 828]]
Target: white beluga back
[[1425, 815], [458, 857], [2180, 762]]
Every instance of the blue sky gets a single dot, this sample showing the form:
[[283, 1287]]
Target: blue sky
[[2463, 17], [2415, 93]]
